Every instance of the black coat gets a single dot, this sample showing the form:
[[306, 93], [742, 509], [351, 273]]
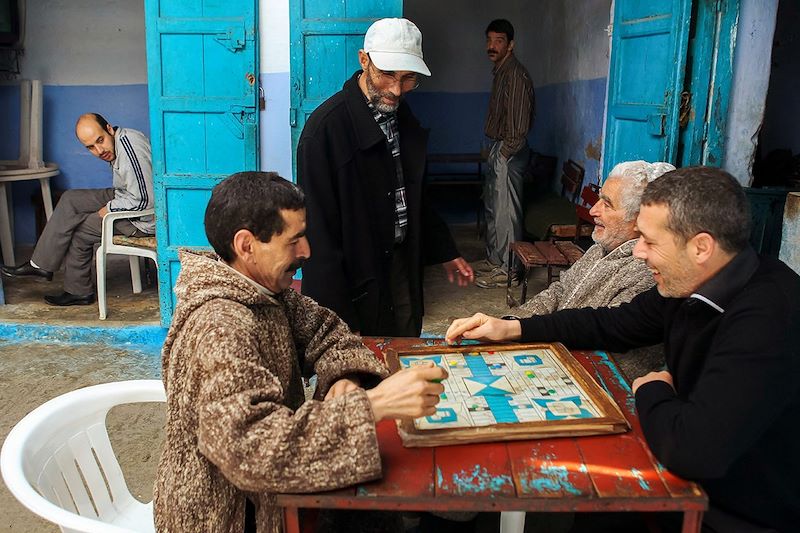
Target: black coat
[[733, 349], [347, 172]]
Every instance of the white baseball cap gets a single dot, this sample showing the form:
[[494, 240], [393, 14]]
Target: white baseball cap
[[395, 44]]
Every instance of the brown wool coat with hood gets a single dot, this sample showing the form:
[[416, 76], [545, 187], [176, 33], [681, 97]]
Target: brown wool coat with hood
[[237, 425]]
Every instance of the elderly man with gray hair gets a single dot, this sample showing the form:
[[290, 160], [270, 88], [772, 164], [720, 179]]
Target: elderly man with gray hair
[[607, 275]]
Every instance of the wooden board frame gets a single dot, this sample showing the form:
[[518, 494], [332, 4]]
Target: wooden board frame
[[611, 419]]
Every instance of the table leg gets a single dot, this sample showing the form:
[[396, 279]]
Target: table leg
[[6, 240], [692, 521], [47, 198], [512, 521], [291, 520]]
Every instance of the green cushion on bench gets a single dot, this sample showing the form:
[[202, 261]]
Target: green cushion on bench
[[544, 210]]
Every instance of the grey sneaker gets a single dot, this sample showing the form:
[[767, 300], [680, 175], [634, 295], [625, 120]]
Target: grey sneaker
[[483, 267], [495, 279]]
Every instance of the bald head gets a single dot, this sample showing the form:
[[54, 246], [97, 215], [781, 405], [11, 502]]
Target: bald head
[[97, 135]]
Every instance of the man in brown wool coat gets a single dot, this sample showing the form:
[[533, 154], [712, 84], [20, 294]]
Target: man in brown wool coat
[[238, 430]]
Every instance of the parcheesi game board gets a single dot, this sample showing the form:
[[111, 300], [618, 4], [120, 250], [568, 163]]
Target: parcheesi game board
[[508, 392]]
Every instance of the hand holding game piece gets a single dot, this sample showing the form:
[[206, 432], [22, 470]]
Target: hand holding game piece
[[483, 327], [409, 393]]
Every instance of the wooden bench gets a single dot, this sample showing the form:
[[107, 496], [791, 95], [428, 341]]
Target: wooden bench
[[470, 179], [548, 254], [576, 222], [472, 158]]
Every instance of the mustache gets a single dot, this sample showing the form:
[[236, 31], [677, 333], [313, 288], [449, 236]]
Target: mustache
[[492, 51], [296, 265]]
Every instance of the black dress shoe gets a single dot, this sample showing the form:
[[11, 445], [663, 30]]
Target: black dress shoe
[[26, 269], [66, 298]]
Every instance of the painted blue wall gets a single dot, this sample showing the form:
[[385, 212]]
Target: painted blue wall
[[124, 105], [77, 77], [568, 124], [563, 44]]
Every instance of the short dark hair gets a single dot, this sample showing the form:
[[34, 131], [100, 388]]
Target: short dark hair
[[251, 201], [703, 199], [101, 120], [501, 26]]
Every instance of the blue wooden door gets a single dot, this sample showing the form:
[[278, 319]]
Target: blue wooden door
[[646, 76], [325, 38], [709, 70], [202, 66]]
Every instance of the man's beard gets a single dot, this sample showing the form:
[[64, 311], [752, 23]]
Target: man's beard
[[375, 98]]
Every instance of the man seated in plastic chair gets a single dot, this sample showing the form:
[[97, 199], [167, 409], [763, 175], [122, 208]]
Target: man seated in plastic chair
[[76, 224], [238, 429]]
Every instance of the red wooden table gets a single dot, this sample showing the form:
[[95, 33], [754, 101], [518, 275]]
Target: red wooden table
[[574, 474]]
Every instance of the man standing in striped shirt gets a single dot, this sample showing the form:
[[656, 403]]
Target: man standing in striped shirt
[[76, 224], [510, 116]]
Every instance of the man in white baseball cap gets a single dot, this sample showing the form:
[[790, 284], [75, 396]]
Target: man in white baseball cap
[[361, 160], [395, 44]]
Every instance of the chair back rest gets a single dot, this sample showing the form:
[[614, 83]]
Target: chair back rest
[[59, 463], [590, 195], [571, 179]]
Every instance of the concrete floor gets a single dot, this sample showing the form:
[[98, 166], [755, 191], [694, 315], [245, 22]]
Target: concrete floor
[[25, 304], [34, 372]]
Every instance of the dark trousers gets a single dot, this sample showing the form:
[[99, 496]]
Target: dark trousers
[[405, 323], [70, 236]]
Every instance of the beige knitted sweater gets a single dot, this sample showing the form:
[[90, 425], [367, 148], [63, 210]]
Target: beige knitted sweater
[[595, 280], [602, 280], [236, 423]]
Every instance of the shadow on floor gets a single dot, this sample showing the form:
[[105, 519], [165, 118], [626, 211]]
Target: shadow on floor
[[25, 298]]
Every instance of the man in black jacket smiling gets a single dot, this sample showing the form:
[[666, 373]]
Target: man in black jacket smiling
[[360, 161], [725, 410]]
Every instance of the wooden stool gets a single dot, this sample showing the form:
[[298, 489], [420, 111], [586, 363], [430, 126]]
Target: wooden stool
[[539, 254]]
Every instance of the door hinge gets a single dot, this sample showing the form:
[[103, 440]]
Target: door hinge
[[236, 118], [233, 39], [685, 109], [292, 117]]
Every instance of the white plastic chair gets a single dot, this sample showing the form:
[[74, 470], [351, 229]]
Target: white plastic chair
[[58, 461], [29, 165], [107, 246]]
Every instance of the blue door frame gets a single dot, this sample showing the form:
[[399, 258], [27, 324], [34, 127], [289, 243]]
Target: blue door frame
[[202, 66]]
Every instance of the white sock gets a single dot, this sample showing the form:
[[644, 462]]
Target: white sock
[[34, 265]]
